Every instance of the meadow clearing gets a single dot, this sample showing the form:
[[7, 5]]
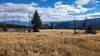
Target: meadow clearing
[[61, 42]]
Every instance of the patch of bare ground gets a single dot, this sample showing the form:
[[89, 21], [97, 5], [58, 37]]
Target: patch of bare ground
[[61, 42]]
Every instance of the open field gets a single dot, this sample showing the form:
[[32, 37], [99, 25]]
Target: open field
[[55, 42]]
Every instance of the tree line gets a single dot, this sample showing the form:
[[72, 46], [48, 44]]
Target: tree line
[[37, 24]]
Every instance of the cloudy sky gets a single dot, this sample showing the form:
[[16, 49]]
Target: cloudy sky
[[49, 10]]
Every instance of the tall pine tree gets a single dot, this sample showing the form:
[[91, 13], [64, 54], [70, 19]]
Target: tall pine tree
[[36, 22]]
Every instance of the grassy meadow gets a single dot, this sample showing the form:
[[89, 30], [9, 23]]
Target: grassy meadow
[[61, 42]]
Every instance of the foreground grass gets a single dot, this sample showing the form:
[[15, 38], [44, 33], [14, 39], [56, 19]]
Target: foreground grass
[[49, 43]]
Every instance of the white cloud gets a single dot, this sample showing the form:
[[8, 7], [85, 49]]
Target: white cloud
[[85, 2], [88, 16], [69, 8], [60, 12], [82, 2], [20, 9]]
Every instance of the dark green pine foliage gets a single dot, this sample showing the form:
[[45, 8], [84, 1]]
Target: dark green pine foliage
[[90, 30], [36, 22]]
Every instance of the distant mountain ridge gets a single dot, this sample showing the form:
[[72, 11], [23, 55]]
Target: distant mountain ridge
[[58, 24], [70, 24], [17, 23]]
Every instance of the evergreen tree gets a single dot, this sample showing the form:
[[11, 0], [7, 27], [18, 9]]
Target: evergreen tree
[[36, 22], [90, 29]]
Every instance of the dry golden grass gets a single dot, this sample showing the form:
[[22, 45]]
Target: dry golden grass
[[49, 43]]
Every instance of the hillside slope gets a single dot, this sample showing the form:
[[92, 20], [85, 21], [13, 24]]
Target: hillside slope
[[49, 43]]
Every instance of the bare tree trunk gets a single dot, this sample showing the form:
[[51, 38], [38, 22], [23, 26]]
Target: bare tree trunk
[[74, 26]]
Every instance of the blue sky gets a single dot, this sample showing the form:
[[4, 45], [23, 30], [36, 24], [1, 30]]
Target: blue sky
[[49, 10], [42, 3], [46, 3]]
